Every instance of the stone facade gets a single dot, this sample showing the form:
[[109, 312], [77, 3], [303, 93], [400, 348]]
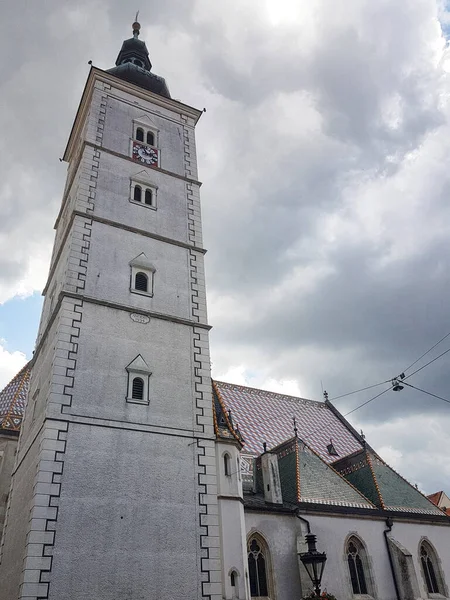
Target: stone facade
[[123, 493]]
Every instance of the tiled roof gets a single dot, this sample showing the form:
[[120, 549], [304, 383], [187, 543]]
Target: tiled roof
[[13, 399], [267, 417], [305, 477], [382, 485]]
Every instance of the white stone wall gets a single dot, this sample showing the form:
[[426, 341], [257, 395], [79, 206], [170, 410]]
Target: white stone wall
[[131, 489], [281, 533]]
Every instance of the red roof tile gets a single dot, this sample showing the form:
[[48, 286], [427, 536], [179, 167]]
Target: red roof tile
[[13, 399], [264, 416]]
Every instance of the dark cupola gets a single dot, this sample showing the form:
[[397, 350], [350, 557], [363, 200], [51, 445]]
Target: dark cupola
[[133, 65]]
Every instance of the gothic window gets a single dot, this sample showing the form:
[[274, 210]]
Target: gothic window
[[430, 569], [258, 567], [150, 138], [226, 464], [141, 282], [356, 559], [138, 389], [137, 193], [140, 134]]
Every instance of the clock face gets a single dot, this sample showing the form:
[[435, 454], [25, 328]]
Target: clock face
[[145, 154]]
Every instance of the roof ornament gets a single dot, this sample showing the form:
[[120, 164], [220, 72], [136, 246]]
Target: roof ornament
[[363, 438], [295, 427], [230, 418], [136, 26], [265, 446], [325, 395]]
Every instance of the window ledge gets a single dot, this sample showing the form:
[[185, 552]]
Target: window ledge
[[437, 596], [150, 206], [139, 293], [135, 401]]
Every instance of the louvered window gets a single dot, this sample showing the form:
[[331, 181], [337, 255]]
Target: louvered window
[[141, 282], [138, 389], [150, 138], [140, 134]]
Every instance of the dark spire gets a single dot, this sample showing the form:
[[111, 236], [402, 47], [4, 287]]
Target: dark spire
[[133, 64]]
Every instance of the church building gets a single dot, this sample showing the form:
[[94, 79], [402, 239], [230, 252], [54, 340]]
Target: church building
[[126, 472]]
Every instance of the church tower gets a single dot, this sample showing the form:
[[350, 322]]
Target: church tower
[[114, 492]]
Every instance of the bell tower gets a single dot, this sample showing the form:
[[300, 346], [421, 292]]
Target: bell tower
[[114, 492]]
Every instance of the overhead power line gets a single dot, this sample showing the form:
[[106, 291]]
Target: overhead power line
[[425, 392], [367, 402], [426, 364], [429, 350], [369, 387]]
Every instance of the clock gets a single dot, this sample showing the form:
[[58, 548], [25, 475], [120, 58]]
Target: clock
[[145, 154]]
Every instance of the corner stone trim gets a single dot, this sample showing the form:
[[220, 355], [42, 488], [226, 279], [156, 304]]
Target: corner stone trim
[[37, 562]]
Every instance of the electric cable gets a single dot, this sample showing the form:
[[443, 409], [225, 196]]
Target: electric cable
[[425, 392], [425, 353], [369, 387], [426, 365], [367, 402]]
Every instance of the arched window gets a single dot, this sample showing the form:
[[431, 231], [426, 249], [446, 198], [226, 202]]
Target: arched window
[[150, 138], [148, 197], [226, 464], [140, 134], [138, 389], [233, 579], [137, 194], [356, 558], [430, 569], [141, 282], [258, 567]]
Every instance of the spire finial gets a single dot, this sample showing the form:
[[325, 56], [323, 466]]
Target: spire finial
[[295, 427], [136, 26]]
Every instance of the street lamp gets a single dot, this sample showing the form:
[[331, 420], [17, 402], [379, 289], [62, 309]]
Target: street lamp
[[314, 562]]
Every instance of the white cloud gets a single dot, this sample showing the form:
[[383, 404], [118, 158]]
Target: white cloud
[[10, 364]]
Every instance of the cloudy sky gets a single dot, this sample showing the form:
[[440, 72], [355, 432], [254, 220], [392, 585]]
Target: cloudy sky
[[324, 154]]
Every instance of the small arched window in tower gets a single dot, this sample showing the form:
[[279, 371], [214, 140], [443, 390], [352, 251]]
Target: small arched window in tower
[[227, 465], [148, 197], [141, 282], [233, 579], [150, 138], [257, 567], [140, 134], [137, 194], [356, 559], [430, 569], [138, 389]]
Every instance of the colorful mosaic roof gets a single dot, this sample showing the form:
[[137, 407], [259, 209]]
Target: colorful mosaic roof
[[305, 477], [382, 485], [268, 417], [13, 399]]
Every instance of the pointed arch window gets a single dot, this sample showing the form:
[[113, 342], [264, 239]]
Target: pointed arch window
[[259, 567], [357, 566], [430, 569], [227, 464], [140, 134]]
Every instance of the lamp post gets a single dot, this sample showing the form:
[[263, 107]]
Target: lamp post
[[314, 562]]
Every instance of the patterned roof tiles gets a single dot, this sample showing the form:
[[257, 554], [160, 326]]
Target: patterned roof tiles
[[13, 399], [264, 416]]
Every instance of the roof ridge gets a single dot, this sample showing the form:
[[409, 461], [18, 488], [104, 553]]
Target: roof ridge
[[248, 387], [337, 473], [297, 470], [25, 366], [374, 477], [225, 414], [403, 478]]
